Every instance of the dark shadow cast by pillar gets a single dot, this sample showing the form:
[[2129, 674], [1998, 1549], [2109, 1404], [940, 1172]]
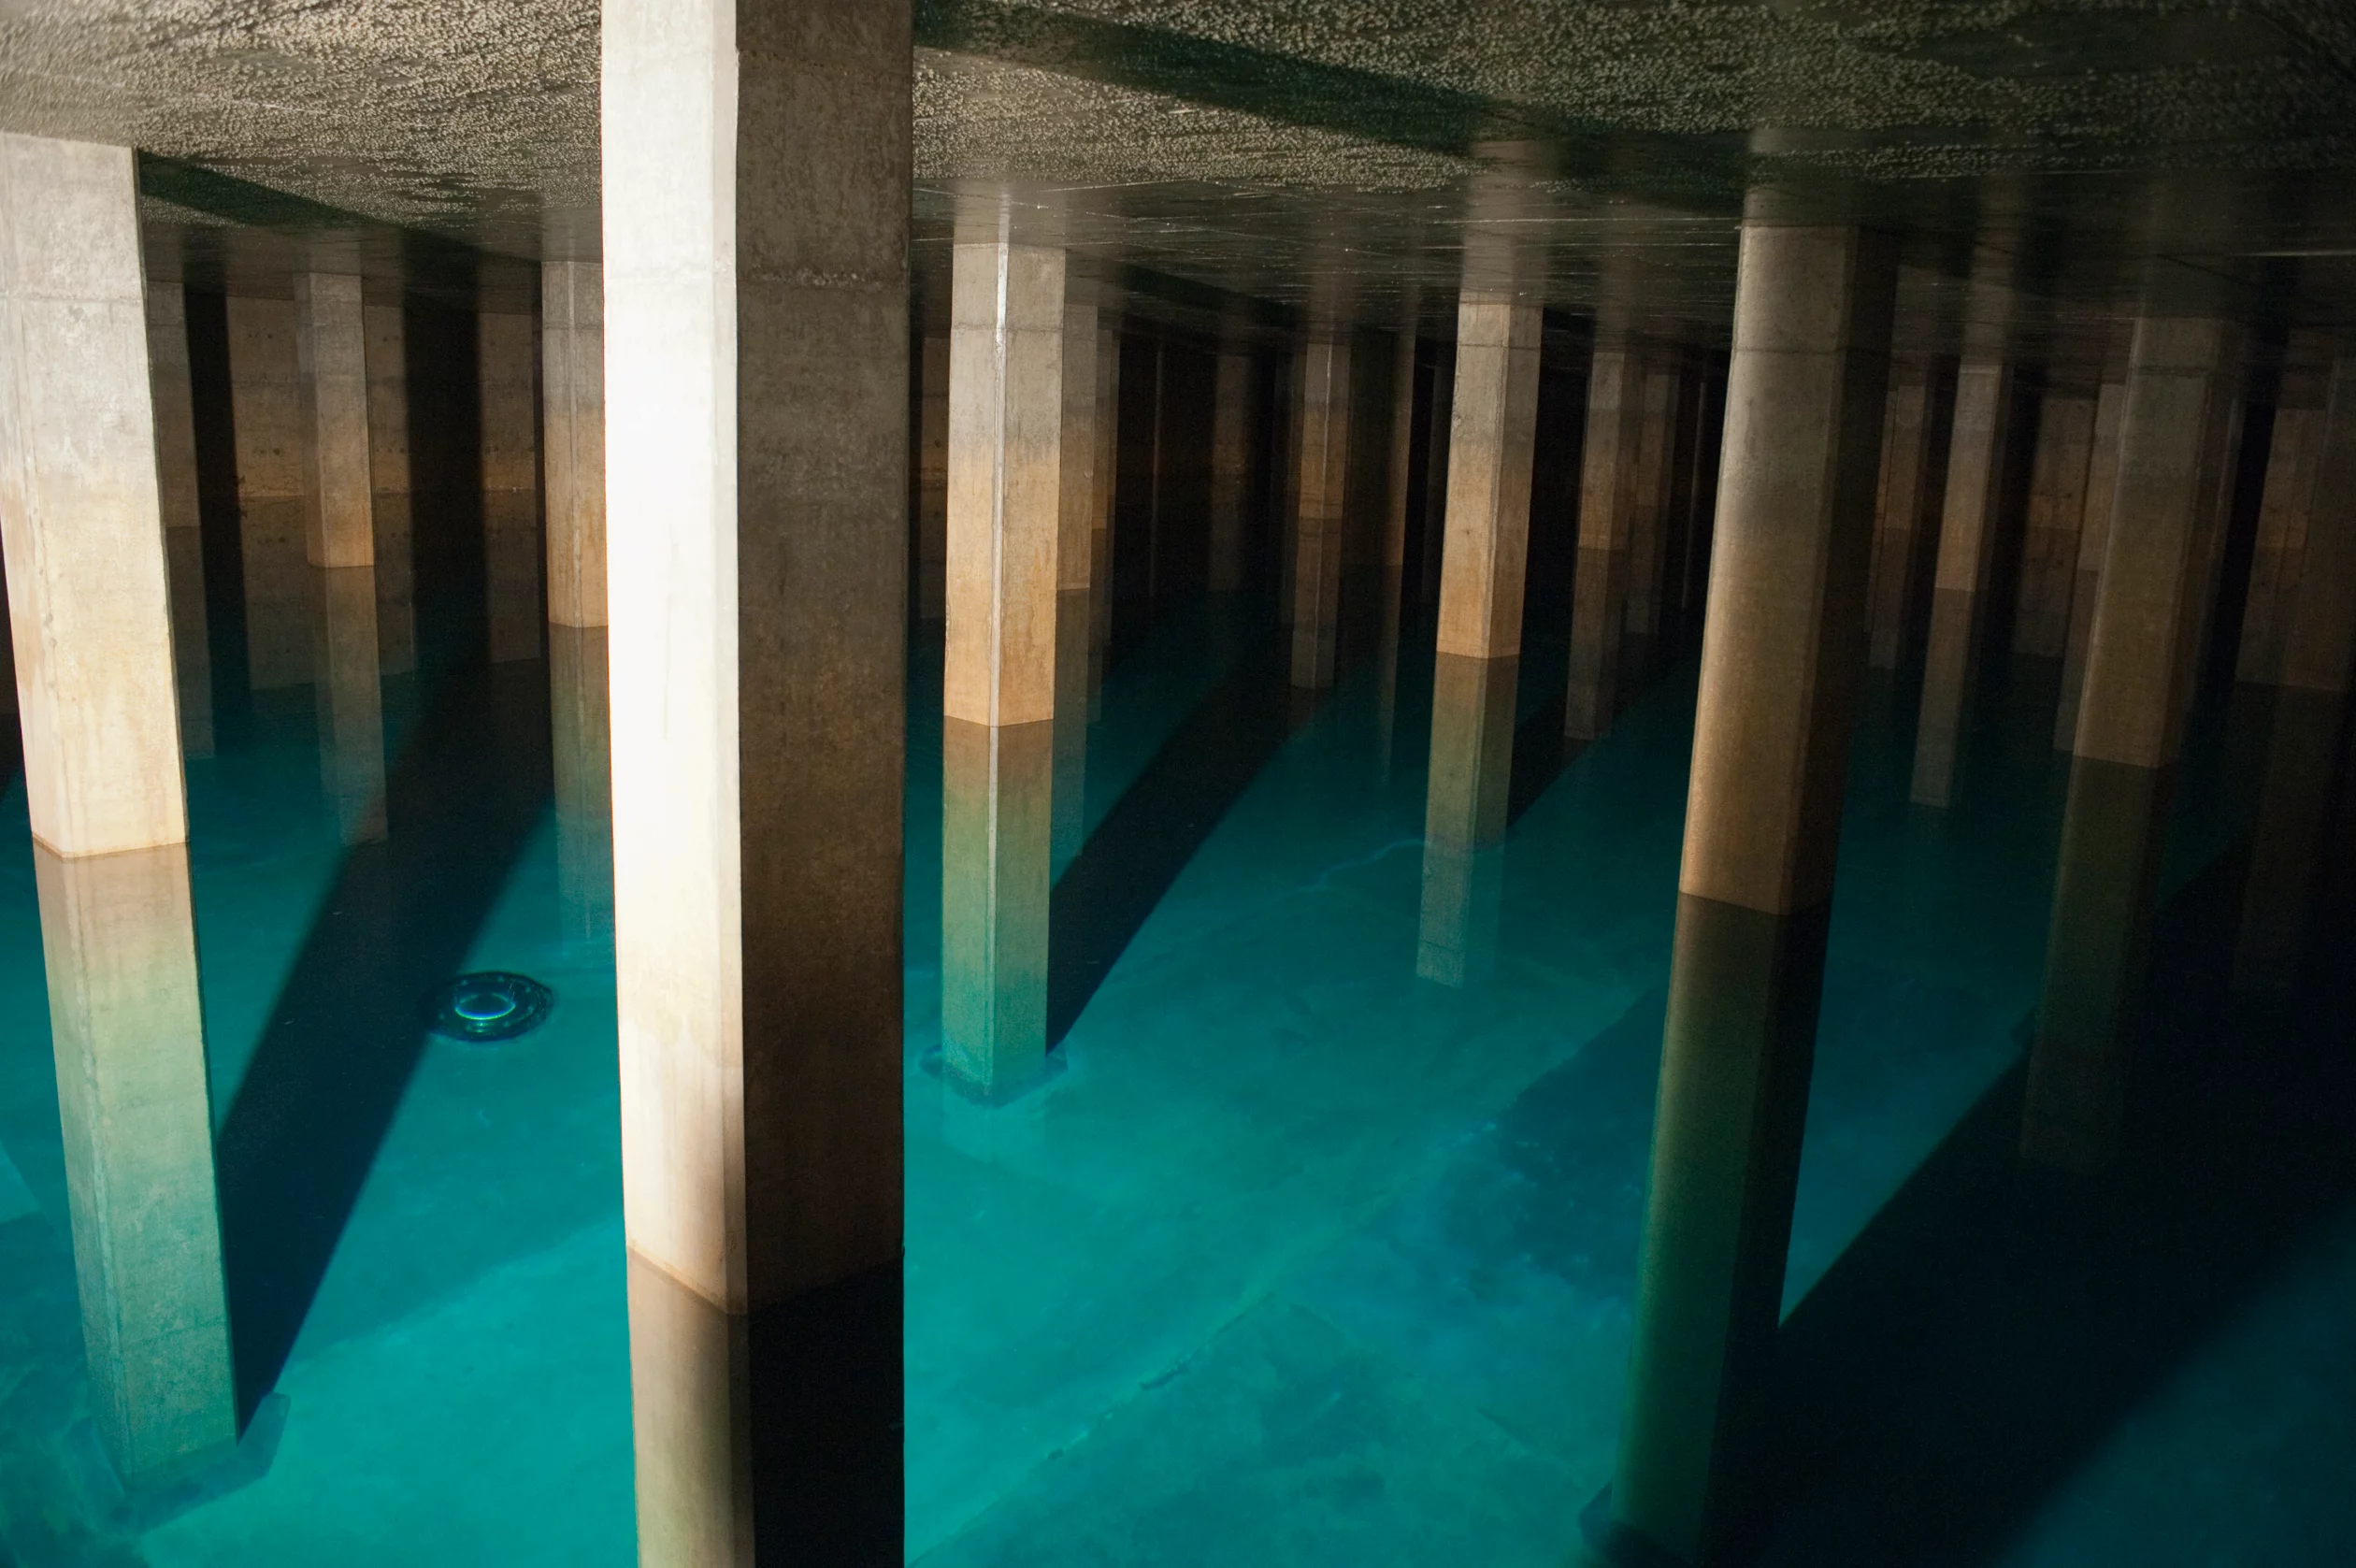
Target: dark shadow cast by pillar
[[347, 1028], [1136, 853], [1987, 1333]]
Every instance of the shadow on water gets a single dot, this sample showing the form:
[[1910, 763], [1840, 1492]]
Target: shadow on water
[[1137, 852], [347, 1028], [1983, 1337]]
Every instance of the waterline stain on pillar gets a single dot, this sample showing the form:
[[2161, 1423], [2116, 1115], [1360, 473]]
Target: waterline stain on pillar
[[755, 185], [81, 530], [1780, 660]]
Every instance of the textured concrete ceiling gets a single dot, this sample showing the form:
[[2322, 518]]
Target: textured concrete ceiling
[[1248, 145]]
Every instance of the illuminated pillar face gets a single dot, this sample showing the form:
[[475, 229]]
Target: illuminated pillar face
[[1464, 816], [1784, 643], [331, 356], [2101, 480], [754, 198], [82, 524], [389, 475], [1494, 412]]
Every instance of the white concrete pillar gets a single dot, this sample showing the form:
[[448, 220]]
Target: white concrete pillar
[[1494, 429], [756, 238], [331, 357], [1007, 473], [1607, 503], [81, 525], [572, 426]]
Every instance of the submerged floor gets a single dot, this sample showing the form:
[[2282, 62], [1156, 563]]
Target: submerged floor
[[1300, 1259]]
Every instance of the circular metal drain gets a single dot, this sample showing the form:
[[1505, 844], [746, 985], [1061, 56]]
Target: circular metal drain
[[490, 1006]]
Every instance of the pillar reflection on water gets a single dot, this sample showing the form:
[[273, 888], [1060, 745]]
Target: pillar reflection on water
[[2176, 434], [348, 700], [1464, 816], [995, 841], [127, 1024], [579, 721]]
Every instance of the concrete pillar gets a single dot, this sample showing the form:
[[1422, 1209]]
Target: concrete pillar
[[2174, 427], [756, 238], [1967, 547], [1006, 475], [1464, 816], [572, 424], [81, 530], [1230, 461], [1780, 656], [2101, 482], [2283, 509], [1494, 419], [1607, 504], [2312, 653], [269, 411], [1648, 519], [1898, 519], [331, 357], [388, 474], [932, 479], [2049, 543], [507, 366], [175, 481], [1319, 518], [582, 753]]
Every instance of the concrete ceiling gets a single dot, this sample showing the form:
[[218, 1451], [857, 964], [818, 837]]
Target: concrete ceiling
[[1248, 146]]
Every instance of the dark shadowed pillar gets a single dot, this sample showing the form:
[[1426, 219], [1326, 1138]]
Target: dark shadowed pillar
[[2175, 432], [1781, 652]]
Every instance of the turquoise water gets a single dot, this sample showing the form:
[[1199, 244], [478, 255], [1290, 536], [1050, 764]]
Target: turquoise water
[[1299, 1257]]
